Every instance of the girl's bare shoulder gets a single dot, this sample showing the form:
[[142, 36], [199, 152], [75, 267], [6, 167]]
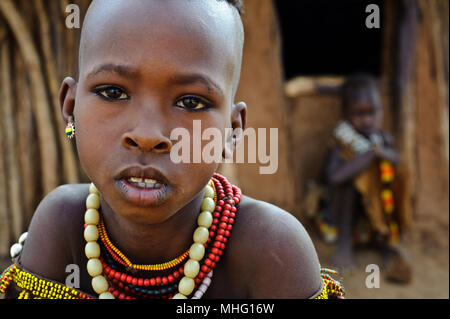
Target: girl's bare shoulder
[[55, 232], [274, 251]]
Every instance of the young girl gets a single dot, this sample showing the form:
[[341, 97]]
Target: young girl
[[148, 227], [366, 186]]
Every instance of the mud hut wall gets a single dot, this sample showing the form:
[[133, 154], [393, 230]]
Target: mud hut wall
[[430, 156], [261, 87]]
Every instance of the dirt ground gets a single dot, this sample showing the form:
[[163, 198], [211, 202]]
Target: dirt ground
[[430, 273]]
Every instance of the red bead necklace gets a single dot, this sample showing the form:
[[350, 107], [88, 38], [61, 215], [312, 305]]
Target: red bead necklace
[[123, 285]]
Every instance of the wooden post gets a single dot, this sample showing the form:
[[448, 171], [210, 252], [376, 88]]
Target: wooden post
[[10, 133], [69, 166], [5, 232], [47, 142]]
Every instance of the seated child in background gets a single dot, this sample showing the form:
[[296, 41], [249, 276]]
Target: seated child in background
[[366, 188], [148, 227]]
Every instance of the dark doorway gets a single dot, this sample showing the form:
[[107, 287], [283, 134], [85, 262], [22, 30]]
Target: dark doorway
[[329, 37]]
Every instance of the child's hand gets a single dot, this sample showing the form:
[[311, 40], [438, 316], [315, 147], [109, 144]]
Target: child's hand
[[386, 153]]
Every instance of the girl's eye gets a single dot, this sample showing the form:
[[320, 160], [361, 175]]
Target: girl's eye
[[192, 103], [112, 93]]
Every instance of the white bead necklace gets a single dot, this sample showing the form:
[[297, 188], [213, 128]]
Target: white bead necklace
[[191, 268]]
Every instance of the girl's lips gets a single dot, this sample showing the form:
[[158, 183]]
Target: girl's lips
[[141, 196]]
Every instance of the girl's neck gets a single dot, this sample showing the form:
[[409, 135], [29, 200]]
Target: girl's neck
[[153, 243]]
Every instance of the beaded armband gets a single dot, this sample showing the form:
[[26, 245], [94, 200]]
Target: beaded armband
[[32, 287], [332, 289]]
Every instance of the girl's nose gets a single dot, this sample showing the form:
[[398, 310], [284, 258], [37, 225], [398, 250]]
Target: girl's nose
[[147, 140]]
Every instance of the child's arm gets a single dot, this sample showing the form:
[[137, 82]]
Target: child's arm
[[338, 171], [387, 154], [387, 150]]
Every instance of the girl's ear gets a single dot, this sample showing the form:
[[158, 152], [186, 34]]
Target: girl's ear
[[238, 124], [67, 94], [239, 116]]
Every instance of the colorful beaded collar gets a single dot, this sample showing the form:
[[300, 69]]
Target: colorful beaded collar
[[215, 222]]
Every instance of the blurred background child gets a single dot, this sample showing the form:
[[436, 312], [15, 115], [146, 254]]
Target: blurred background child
[[365, 183]]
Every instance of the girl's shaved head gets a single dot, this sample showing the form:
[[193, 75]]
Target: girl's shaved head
[[217, 20]]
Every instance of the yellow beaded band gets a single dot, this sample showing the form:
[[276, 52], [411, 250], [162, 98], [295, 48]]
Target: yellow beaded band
[[33, 287], [331, 288], [323, 294]]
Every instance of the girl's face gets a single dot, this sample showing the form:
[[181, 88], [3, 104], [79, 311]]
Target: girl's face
[[364, 113], [142, 75]]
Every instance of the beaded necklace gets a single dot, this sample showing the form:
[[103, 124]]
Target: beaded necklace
[[387, 199], [118, 256], [215, 222]]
